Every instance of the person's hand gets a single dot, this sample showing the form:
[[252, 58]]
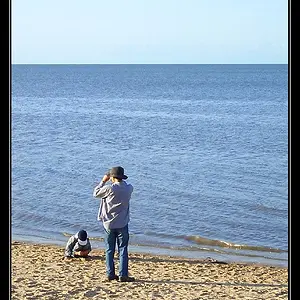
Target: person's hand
[[105, 178], [68, 257]]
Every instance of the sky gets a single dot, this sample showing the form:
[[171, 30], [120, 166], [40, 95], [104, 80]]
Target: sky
[[149, 31]]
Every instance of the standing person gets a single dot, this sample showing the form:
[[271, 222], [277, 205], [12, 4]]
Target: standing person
[[114, 214], [78, 245]]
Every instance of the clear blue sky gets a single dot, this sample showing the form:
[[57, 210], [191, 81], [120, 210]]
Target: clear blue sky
[[149, 31]]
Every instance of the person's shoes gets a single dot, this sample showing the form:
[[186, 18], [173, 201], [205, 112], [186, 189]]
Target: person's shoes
[[126, 279], [111, 278]]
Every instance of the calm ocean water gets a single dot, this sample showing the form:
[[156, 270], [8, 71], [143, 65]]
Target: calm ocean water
[[205, 147]]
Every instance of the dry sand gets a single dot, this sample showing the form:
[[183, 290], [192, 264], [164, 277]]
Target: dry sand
[[40, 272]]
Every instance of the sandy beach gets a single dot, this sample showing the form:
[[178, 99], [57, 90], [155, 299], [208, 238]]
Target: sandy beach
[[39, 272]]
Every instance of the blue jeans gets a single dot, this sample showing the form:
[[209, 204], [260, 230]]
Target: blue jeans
[[119, 236]]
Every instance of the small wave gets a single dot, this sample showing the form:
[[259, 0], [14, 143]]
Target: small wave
[[199, 240], [205, 241]]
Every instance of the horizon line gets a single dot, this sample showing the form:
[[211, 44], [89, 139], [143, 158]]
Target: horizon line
[[149, 63]]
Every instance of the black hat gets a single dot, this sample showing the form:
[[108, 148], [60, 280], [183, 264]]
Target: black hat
[[117, 172], [82, 237]]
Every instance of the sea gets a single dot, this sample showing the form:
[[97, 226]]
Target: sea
[[205, 147]]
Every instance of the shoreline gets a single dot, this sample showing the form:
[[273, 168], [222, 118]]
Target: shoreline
[[39, 271], [152, 250]]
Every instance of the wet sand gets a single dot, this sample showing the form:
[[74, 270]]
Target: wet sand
[[39, 271]]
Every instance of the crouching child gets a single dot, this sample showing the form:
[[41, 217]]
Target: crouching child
[[78, 245]]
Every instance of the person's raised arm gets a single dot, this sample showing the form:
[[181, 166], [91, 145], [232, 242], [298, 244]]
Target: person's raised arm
[[101, 191]]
